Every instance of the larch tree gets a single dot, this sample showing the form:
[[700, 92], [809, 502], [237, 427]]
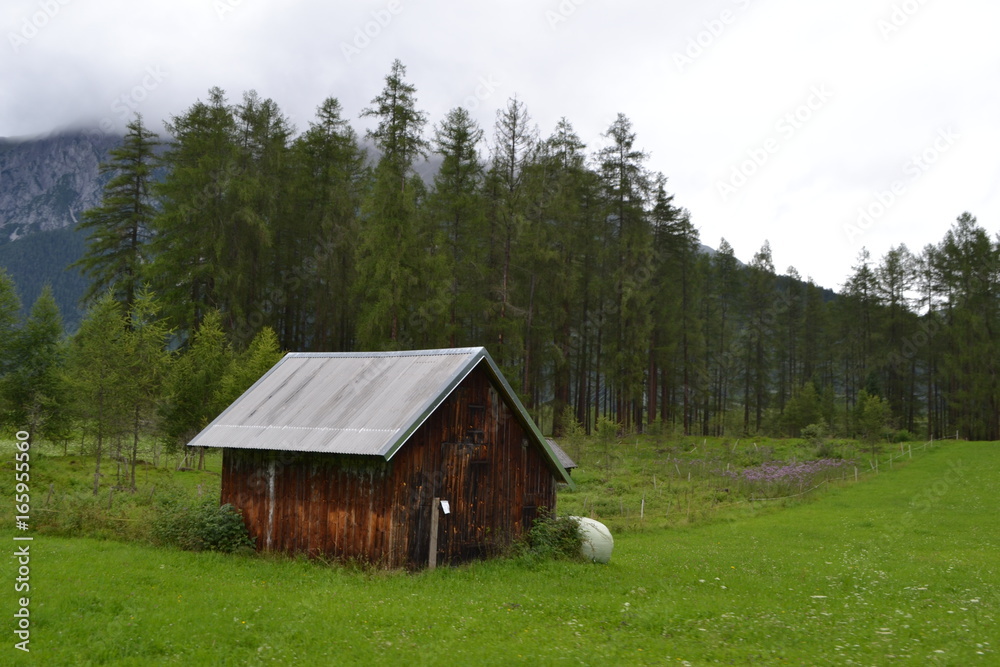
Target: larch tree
[[119, 228], [458, 207], [147, 365], [758, 335], [788, 339], [628, 187], [857, 311], [396, 265], [928, 356], [99, 365], [314, 245], [968, 268], [244, 271], [191, 396], [514, 144], [816, 354], [563, 193], [725, 291], [894, 278], [10, 308], [247, 367], [35, 385], [191, 229], [676, 340]]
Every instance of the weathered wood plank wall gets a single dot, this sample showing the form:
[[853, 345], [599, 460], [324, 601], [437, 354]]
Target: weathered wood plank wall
[[471, 451]]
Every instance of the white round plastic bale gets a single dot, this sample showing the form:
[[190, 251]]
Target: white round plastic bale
[[597, 541]]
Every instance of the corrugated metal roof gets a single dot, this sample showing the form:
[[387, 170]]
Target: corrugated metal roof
[[366, 403]]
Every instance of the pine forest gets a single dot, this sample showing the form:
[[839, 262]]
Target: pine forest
[[232, 238]]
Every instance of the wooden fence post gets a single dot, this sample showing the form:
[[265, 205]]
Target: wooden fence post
[[432, 556]]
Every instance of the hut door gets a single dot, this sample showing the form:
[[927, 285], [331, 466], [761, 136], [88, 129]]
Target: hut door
[[463, 480], [466, 487]]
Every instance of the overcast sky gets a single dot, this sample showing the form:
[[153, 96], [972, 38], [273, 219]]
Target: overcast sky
[[775, 120]]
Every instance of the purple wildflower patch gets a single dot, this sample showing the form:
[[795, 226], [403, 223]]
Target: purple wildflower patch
[[775, 477], [779, 471]]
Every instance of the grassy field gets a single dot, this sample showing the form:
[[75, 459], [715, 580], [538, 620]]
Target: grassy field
[[901, 568]]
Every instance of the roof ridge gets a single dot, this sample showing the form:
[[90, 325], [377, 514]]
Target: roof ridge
[[440, 352]]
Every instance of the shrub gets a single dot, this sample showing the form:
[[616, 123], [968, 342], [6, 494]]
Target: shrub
[[655, 428], [902, 436], [827, 450], [816, 437], [551, 537], [815, 434], [571, 427], [202, 526]]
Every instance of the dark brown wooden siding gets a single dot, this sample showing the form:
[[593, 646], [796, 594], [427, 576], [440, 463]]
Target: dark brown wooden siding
[[471, 451]]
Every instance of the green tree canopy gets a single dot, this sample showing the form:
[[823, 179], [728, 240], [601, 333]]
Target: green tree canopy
[[34, 387]]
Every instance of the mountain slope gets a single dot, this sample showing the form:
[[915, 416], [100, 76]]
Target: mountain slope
[[44, 258], [47, 182], [45, 185]]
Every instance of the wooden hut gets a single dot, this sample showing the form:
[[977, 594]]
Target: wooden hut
[[345, 455]]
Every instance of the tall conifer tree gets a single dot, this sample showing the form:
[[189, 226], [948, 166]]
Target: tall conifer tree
[[315, 246], [396, 266], [10, 307], [459, 208], [514, 143], [100, 368], [194, 226], [762, 312], [628, 190], [119, 228], [35, 386]]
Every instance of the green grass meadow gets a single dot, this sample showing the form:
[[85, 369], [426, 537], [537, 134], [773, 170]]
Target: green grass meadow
[[900, 568]]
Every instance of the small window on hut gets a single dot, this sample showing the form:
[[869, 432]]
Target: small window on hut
[[475, 431]]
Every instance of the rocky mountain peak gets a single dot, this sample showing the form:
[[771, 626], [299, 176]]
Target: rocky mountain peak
[[47, 182]]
